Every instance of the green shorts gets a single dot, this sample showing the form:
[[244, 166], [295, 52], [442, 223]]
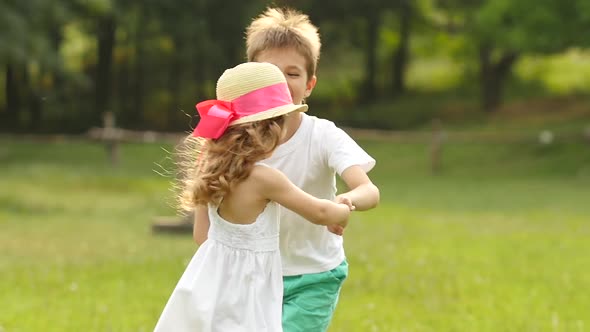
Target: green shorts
[[309, 300]]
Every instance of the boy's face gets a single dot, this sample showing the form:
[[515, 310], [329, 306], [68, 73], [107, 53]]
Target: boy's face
[[293, 66]]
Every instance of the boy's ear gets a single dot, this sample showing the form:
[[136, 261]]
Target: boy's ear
[[310, 85]]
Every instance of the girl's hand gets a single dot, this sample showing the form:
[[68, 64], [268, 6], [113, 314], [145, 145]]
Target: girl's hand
[[336, 229]]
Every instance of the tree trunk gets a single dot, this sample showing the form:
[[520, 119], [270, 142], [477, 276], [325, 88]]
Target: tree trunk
[[401, 54], [58, 78], [136, 115], [122, 89], [106, 44], [176, 75], [34, 104], [32, 99], [201, 59], [36, 110], [13, 101], [493, 76], [370, 83]]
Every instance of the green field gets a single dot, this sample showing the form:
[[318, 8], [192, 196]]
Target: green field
[[499, 241]]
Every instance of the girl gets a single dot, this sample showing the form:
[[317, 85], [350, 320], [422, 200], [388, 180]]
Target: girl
[[234, 281]]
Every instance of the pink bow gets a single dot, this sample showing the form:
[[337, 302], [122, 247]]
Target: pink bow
[[215, 118]]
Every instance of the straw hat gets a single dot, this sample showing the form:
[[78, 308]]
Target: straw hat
[[249, 92]]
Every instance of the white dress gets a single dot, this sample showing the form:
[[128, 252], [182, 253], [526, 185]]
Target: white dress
[[233, 282]]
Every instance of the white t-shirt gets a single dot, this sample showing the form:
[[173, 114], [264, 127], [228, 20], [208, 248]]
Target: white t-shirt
[[310, 159]]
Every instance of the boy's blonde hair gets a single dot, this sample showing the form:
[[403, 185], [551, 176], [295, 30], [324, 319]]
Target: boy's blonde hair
[[283, 28]]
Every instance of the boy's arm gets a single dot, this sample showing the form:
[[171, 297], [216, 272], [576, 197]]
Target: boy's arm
[[349, 160], [201, 226], [362, 193]]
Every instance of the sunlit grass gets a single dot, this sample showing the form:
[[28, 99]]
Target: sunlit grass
[[496, 242]]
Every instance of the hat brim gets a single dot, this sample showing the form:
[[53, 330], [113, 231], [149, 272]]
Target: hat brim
[[271, 113]]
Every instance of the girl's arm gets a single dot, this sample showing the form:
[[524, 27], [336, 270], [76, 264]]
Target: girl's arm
[[275, 186], [201, 226]]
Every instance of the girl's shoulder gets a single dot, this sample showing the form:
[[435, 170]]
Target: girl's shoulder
[[260, 163], [262, 170], [266, 177]]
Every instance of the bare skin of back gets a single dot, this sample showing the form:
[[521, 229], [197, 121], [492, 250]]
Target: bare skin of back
[[249, 198]]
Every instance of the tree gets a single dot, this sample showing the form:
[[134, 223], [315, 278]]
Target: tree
[[28, 40], [366, 16], [400, 56], [502, 30], [105, 28]]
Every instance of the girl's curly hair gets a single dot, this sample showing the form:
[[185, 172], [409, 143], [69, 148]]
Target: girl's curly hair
[[211, 167]]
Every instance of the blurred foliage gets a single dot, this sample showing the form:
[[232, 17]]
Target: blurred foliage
[[564, 73], [64, 63]]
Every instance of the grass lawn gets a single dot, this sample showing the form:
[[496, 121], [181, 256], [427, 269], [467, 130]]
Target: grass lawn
[[497, 242]]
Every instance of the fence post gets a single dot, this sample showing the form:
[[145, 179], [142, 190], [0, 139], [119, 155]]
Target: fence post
[[110, 137], [436, 147]]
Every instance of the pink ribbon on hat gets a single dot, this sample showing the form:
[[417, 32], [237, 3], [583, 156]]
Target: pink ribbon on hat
[[215, 118], [216, 115]]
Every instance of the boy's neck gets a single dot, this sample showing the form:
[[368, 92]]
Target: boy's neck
[[292, 123]]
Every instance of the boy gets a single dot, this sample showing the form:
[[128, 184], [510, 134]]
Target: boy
[[313, 151]]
